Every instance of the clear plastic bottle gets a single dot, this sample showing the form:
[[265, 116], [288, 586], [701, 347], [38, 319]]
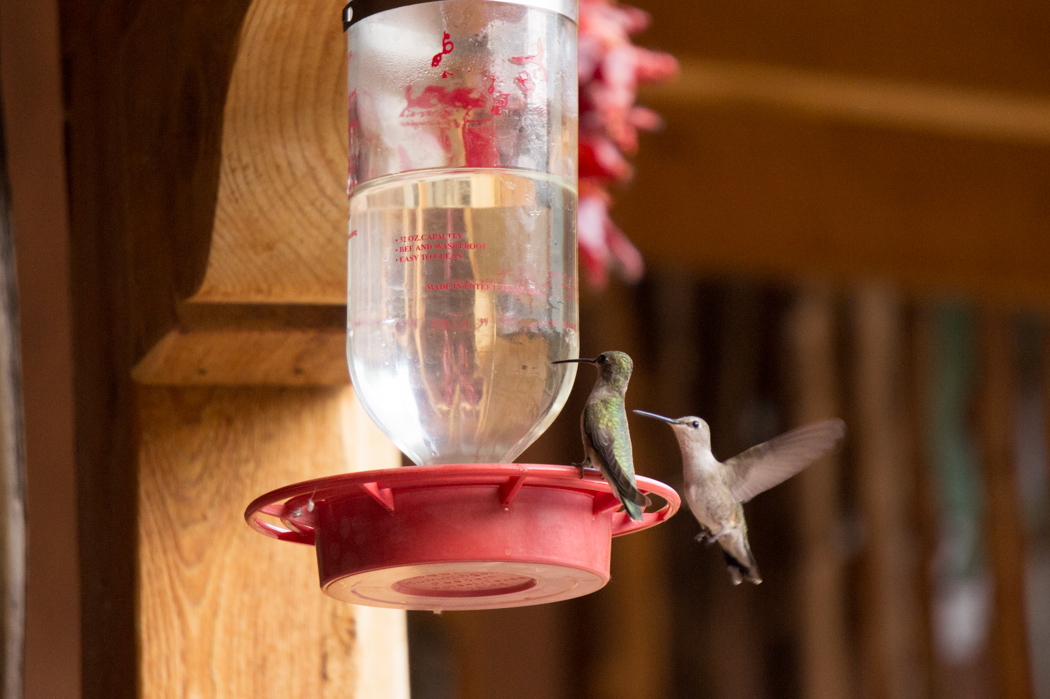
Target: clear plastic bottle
[[463, 223]]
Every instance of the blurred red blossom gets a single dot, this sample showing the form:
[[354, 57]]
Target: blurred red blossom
[[610, 70]]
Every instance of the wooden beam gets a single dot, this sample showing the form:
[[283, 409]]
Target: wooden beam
[[250, 344], [734, 189], [897, 40], [859, 100]]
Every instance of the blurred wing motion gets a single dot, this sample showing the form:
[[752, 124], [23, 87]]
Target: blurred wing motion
[[606, 428], [768, 464]]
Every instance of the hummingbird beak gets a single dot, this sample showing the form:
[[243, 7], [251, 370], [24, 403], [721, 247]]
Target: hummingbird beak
[[656, 417], [581, 360]]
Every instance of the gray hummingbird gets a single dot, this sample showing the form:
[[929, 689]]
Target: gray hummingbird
[[716, 491], [606, 437]]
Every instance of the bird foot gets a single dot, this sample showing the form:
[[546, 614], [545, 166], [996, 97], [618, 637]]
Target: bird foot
[[706, 537], [580, 465]]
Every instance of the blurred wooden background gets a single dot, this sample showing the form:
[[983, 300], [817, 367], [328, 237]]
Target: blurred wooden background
[[846, 213], [915, 562]]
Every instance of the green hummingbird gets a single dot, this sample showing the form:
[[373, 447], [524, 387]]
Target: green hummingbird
[[716, 491], [606, 437]]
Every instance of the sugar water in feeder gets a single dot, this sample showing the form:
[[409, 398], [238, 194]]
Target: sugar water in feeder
[[462, 234]]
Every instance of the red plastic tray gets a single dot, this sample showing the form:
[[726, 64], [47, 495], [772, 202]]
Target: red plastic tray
[[462, 536]]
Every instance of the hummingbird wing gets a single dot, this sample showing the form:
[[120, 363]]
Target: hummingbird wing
[[605, 425], [761, 467]]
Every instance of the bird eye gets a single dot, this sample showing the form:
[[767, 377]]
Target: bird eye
[[696, 424], [601, 359]]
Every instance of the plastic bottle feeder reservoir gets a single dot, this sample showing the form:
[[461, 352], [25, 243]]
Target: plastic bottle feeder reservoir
[[461, 295]]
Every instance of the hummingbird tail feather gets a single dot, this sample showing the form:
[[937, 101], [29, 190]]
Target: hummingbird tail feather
[[624, 487], [739, 559], [738, 572], [634, 510]]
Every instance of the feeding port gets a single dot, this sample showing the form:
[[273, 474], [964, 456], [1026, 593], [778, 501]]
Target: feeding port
[[462, 294]]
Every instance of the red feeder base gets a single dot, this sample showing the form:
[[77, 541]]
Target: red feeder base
[[463, 536]]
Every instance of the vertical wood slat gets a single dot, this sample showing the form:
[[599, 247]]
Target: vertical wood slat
[[1004, 528], [31, 72], [507, 654], [632, 647], [1045, 386], [678, 359], [962, 669], [221, 610], [888, 631], [735, 632], [12, 457], [922, 348], [824, 629]]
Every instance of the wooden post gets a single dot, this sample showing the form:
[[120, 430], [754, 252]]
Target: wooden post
[[207, 172], [222, 611]]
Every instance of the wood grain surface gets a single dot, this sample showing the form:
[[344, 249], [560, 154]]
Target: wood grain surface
[[250, 344], [223, 611], [280, 217]]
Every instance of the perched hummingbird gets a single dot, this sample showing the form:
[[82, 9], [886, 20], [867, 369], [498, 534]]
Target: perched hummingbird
[[606, 438], [717, 491]]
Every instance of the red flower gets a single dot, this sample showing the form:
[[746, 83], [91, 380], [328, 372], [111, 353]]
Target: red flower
[[610, 70]]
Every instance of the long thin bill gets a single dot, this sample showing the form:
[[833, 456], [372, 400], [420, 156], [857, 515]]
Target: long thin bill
[[567, 361], [655, 416]]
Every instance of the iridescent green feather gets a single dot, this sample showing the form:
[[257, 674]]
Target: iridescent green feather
[[605, 425]]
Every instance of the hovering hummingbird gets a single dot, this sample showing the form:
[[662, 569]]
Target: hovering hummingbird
[[606, 438], [717, 491]]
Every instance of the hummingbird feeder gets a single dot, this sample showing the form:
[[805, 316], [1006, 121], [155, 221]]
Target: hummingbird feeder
[[462, 292]]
